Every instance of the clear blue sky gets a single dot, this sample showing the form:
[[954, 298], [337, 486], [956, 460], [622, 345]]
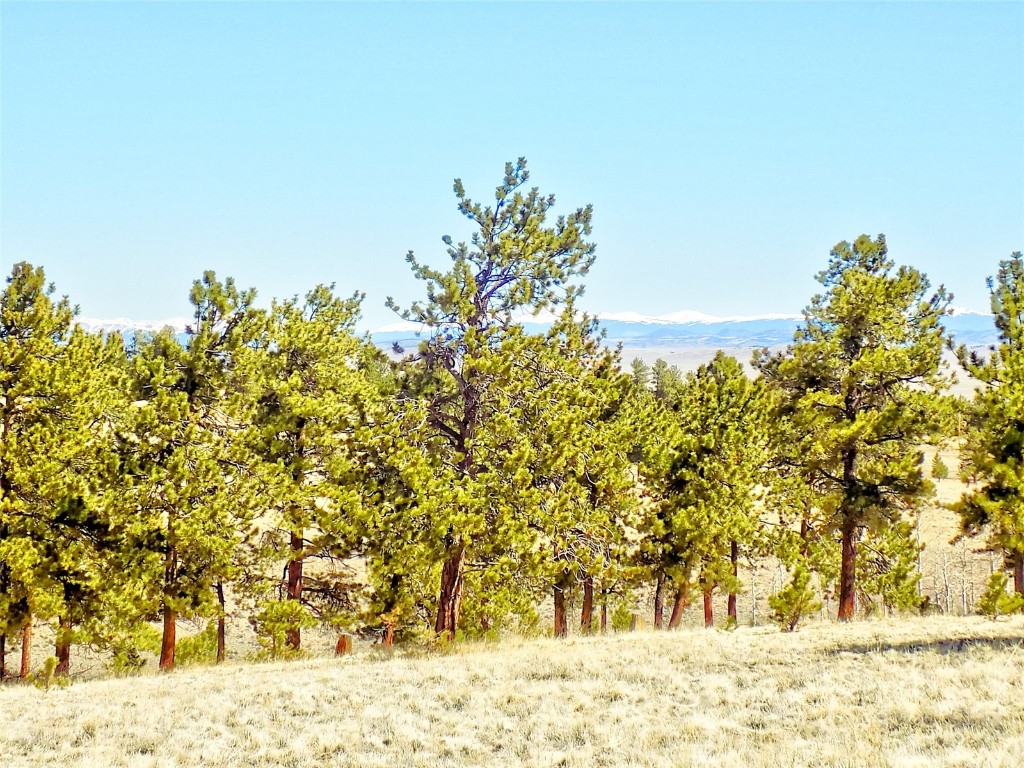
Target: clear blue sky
[[725, 147]]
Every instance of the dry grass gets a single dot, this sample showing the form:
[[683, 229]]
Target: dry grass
[[925, 692]]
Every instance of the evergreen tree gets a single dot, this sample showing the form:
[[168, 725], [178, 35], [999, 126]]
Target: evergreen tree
[[580, 428], [34, 328], [717, 470], [939, 469], [190, 489], [515, 264], [859, 386], [61, 390], [991, 459], [315, 384], [795, 600], [996, 601]]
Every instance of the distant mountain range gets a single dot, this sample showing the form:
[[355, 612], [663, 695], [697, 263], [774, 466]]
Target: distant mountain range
[[685, 329], [689, 329]]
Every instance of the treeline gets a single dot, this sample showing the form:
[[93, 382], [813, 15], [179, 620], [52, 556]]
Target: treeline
[[279, 463]]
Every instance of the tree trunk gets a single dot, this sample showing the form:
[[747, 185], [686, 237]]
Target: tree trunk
[[293, 636], [659, 602], [26, 650], [63, 647], [709, 611], [678, 604], [587, 614], [388, 638], [167, 642], [170, 616], [449, 600], [221, 624], [5, 584], [561, 619], [344, 645], [1018, 574], [848, 574], [734, 558], [604, 613]]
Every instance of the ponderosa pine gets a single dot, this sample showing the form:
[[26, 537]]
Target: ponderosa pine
[[189, 480], [515, 264], [991, 462], [859, 387], [61, 391], [315, 383]]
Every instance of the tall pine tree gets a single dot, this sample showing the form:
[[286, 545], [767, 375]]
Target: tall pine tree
[[190, 487], [993, 456], [516, 263], [859, 388]]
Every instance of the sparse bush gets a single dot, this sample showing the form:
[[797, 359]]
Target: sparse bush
[[939, 469], [997, 601], [128, 652], [46, 677], [621, 616], [200, 648], [796, 599], [273, 622]]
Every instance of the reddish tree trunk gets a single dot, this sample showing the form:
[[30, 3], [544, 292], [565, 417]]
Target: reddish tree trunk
[[344, 645], [388, 638], [63, 647], [1018, 574], [170, 616], [561, 619], [221, 624], [848, 573], [293, 636], [659, 602], [449, 601], [26, 650], [734, 558], [678, 605], [709, 611], [168, 641], [604, 613], [587, 614]]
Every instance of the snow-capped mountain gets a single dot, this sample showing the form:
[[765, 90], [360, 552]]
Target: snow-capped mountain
[[124, 324]]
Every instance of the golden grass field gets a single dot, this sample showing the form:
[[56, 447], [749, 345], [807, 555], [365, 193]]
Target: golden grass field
[[938, 691]]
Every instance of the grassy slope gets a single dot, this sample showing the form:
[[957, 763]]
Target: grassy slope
[[901, 693]]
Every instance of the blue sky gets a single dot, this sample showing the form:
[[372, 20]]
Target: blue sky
[[725, 147]]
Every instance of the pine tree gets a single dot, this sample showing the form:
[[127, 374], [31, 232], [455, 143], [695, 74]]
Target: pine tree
[[580, 427], [795, 600], [859, 385], [315, 384], [939, 469], [61, 393], [991, 458], [706, 514], [190, 488], [515, 264], [996, 601], [33, 329]]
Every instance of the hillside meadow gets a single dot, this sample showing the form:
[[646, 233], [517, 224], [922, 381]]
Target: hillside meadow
[[938, 691]]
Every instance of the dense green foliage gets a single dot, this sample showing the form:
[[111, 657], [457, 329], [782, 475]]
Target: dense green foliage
[[859, 395], [275, 465], [993, 456]]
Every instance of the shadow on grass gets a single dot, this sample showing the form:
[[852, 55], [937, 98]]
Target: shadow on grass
[[945, 647]]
